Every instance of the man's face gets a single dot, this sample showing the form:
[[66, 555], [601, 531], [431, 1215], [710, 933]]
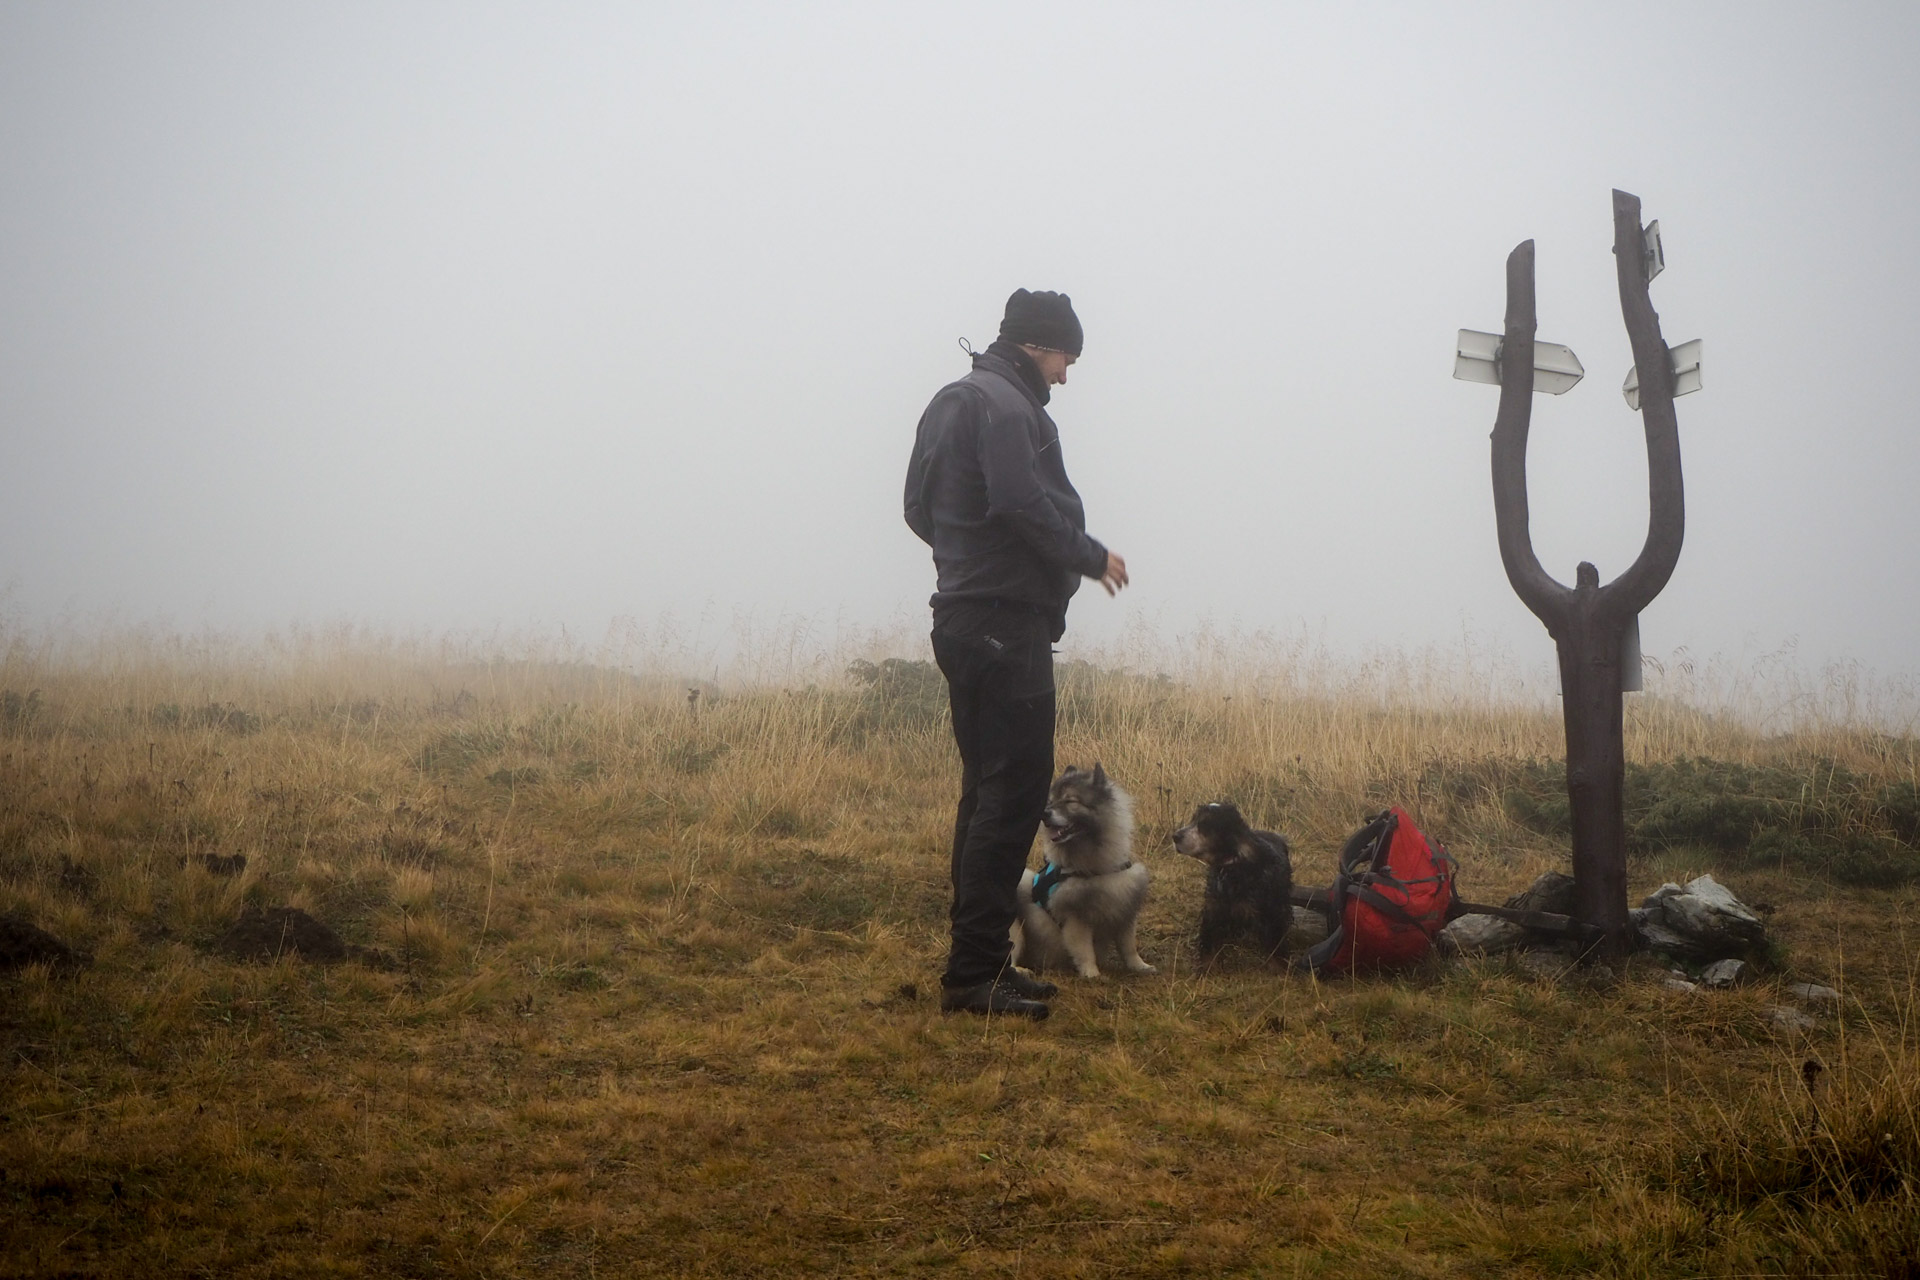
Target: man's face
[[1053, 364]]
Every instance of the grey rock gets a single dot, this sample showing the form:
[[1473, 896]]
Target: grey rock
[[1722, 974], [1552, 891], [1813, 993], [1791, 1019], [1476, 934], [1309, 927], [1481, 935], [1706, 897], [1702, 920], [1678, 984], [1654, 934]]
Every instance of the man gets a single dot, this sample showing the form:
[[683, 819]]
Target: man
[[987, 490]]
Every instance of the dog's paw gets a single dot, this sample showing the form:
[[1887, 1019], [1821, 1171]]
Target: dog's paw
[[1141, 966], [1090, 971]]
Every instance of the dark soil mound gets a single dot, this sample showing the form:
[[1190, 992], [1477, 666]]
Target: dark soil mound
[[264, 933], [22, 944]]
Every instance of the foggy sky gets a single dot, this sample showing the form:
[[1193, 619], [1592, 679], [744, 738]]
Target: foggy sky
[[461, 315]]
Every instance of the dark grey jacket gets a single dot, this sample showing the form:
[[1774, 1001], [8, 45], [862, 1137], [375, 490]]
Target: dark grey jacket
[[988, 491]]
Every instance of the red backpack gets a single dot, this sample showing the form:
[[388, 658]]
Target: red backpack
[[1393, 894]]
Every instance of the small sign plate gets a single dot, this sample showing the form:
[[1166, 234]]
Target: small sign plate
[[1632, 669], [1476, 358], [1684, 360], [1656, 257]]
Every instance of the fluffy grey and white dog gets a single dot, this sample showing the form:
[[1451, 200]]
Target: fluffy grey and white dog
[[1087, 897]]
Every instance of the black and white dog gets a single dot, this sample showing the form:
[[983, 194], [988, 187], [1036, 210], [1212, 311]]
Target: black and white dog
[[1249, 879]]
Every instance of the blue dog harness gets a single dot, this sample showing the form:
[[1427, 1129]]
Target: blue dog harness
[[1049, 880], [1050, 877]]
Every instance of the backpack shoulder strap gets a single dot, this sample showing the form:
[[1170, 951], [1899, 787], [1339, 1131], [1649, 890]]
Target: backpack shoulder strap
[[1363, 850]]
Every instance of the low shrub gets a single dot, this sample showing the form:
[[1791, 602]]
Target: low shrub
[[898, 694], [1821, 817]]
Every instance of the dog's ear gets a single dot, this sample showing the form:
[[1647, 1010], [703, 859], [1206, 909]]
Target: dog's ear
[[1099, 776]]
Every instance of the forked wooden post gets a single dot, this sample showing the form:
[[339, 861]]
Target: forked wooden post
[[1588, 622]]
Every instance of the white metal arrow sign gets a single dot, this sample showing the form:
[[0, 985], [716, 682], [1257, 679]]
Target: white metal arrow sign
[[1684, 360], [1556, 369]]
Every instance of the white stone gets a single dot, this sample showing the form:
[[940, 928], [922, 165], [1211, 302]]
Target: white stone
[[1309, 927], [1654, 934], [1813, 993], [1481, 935], [1722, 974], [1666, 890], [1703, 919], [1720, 898], [1792, 1019]]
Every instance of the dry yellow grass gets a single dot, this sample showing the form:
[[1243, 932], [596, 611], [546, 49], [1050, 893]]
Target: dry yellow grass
[[661, 980]]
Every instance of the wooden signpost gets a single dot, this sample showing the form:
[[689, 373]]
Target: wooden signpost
[[1591, 624]]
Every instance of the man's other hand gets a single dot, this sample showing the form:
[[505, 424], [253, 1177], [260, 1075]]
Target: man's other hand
[[1116, 575]]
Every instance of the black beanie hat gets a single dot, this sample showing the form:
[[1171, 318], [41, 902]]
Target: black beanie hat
[[1043, 319]]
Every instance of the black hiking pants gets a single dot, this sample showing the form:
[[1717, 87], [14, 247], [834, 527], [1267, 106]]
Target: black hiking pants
[[999, 668]]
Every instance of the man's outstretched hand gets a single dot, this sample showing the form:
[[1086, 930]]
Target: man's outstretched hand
[[1116, 575]]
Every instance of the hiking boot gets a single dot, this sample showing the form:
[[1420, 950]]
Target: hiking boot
[[1026, 985], [998, 996]]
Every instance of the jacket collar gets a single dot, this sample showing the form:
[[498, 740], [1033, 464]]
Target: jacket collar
[[1010, 362]]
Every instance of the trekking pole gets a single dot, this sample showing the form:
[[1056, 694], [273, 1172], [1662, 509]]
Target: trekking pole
[[1540, 921]]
